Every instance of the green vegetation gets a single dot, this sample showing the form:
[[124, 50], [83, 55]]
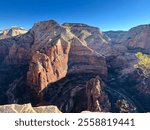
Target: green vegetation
[[143, 63]]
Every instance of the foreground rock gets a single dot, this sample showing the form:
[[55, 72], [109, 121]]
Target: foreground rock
[[27, 108]]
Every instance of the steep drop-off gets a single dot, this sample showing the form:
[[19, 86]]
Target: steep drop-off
[[75, 67]]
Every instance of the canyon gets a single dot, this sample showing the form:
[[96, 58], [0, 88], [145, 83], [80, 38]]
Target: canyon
[[73, 67]]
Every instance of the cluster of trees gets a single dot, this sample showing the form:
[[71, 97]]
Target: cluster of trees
[[143, 63]]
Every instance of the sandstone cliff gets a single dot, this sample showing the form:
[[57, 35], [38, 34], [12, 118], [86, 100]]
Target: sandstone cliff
[[123, 72], [137, 38], [47, 53], [51, 51]]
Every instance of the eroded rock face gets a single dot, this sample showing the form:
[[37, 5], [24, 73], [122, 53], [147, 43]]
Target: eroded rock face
[[57, 64], [68, 92], [61, 48], [116, 36], [91, 37], [96, 98], [123, 76], [45, 69], [27, 108], [137, 38], [47, 53]]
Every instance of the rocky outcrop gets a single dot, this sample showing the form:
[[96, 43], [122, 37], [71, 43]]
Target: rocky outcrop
[[91, 37], [96, 98], [45, 69], [68, 92], [124, 106], [27, 108]]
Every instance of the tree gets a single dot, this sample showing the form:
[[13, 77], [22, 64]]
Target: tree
[[143, 63]]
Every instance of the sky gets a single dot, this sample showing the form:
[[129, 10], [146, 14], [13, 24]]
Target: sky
[[105, 14]]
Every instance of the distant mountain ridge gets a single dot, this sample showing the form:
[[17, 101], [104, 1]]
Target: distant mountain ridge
[[14, 31], [136, 38]]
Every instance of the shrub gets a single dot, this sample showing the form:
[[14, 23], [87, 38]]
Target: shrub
[[143, 63]]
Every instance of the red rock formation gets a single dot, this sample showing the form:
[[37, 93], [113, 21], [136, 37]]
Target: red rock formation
[[58, 61], [45, 69], [52, 51], [46, 54], [96, 98]]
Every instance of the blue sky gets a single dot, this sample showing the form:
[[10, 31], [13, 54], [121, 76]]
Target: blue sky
[[105, 14]]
